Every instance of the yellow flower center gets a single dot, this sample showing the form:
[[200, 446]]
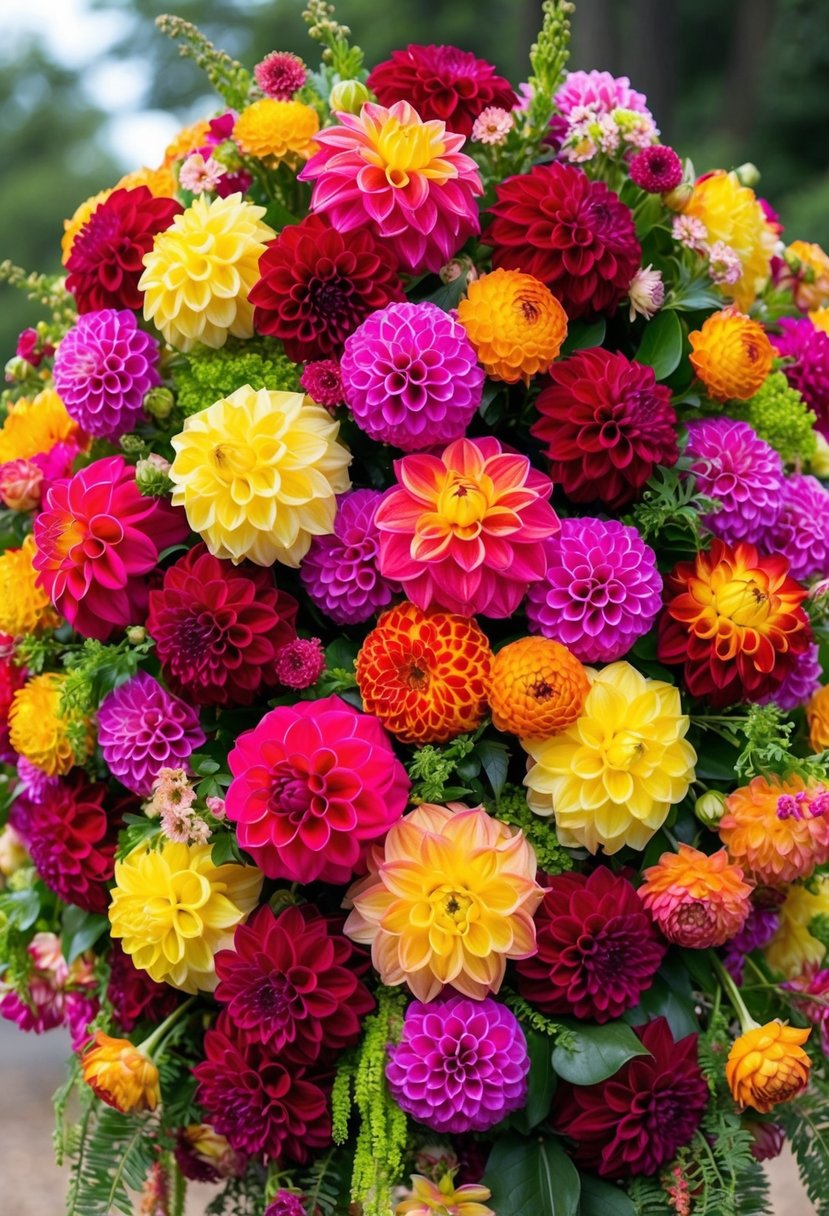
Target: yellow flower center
[[404, 150], [453, 909], [744, 601], [623, 750], [233, 460], [176, 909], [463, 503]]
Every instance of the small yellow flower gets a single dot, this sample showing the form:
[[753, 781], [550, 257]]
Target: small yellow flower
[[35, 426], [277, 132], [444, 1199], [767, 1065], [793, 950], [39, 732], [186, 140], [160, 182], [120, 1074], [24, 606]]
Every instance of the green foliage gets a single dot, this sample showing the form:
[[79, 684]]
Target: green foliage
[[47, 290], [342, 1091], [230, 80], [110, 1155], [532, 1178], [95, 668], [325, 1184], [345, 61], [594, 1053], [381, 1141], [819, 930], [648, 1198], [204, 375], [432, 768], [767, 747], [512, 808], [529, 1016], [661, 345], [548, 60], [806, 1121], [600, 1198], [669, 515], [240, 1196], [779, 415]]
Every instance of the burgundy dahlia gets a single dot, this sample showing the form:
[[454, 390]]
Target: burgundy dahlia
[[657, 169], [133, 995], [572, 233], [12, 677], [635, 1121], [598, 950], [340, 572], [606, 424], [805, 349], [323, 383]]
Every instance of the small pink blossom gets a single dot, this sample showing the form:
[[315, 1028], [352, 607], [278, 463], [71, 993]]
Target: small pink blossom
[[323, 383], [724, 264], [301, 663], [492, 126], [200, 176], [646, 293], [690, 232], [216, 807], [172, 792]]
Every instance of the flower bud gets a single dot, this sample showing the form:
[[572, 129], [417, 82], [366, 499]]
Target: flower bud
[[151, 476], [20, 485], [159, 403], [819, 464], [120, 1074], [767, 1065], [709, 808], [678, 199], [747, 174], [348, 96], [136, 634], [459, 267], [13, 853]]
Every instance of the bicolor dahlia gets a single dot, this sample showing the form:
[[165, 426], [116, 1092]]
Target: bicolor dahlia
[[806, 273], [104, 367], [606, 424], [731, 354], [218, 628], [36, 425], [410, 376], [97, 540], [793, 948], [597, 948], [462, 530], [572, 233], [288, 984], [24, 605], [536, 688], [731, 464], [767, 1065], [602, 590], [734, 621], [800, 530], [404, 178], [733, 214], [142, 728], [40, 733], [817, 715], [460, 1065], [424, 674], [612, 777], [135, 997], [656, 169], [777, 830], [312, 784], [698, 901], [634, 1122], [447, 900], [340, 571], [258, 473], [120, 1074], [805, 351], [427, 1197], [441, 82], [277, 131], [515, 324]]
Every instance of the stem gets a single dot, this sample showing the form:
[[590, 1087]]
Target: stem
[[149, 1044], [747, 1022]]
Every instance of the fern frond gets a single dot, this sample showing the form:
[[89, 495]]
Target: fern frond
[[806, 1121], [112, 1156]]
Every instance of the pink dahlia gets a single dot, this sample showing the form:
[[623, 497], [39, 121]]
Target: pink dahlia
[[280, 75], [312, 784], [405, 179], [805, 349], [731, 463], [800, 530], [462, 530], [323, 382], [339, 571], [656, 169], [12, 677], [600, 90]]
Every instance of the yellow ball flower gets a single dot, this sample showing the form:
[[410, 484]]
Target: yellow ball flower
[[160, 182], [73, 225], [793, 949], [199, 272], [35, 426], [40, 733], [731, 355], [611, 778], [277, 132], [173, 910], [120, 1074], [258, 474], [767, 1065], [515, 324], [817, 715], [820, 319], [24, 606], [731, 213]]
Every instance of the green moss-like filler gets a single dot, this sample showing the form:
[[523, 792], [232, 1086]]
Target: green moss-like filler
[[512, 808], [205, 376], [381, 1142], [778, 414]]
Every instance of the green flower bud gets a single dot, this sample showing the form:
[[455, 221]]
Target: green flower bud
[[747, 174], [349, 96], [136, 634], [159, 403], [678, 199], [709, 808], [151, 476]]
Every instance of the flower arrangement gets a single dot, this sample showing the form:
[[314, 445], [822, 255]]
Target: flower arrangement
[[414, 637]]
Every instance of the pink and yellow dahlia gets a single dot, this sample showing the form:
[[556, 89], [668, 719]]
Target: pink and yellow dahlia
[[777, 830], [696, 900]]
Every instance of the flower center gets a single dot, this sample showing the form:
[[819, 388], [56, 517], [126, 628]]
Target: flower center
[[415, 675], [177, 910], [743, 601], [405, 150], [290, 794], [231, 460], [453, 909], [623, 750], [463, 503], [273, 997]]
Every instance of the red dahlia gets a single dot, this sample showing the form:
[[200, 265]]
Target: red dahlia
[[441, 82], [135, 997], [218, 628], [606, 424], [316, 285], [107, 255], [572, 233], [11, 678]]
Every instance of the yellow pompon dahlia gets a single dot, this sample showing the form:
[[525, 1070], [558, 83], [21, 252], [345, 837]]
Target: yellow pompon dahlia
[[24, 605], [515, 324], [817, 715], [767, 1065], [186, 140], [731, 355], [160, 182], [35, 425], [40, 733], [732, 214], [793, 950], [120, 1074], [277, 132], [696, 900], [537, 688], [447, 900], [199, 272], [81, 214], [808, 274], [258, 473], [173, 910], [777, 830], [611, 778]]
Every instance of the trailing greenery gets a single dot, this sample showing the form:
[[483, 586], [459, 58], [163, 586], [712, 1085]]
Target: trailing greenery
[[325, 1184], [110, 1155], [230, 80], [806, 1122]]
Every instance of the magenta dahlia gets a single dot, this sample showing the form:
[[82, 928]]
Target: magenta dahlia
[[300, 663], [280, 75], [12, 677], [133, 995], [800, 530], [142, 728], [800, 683], [732, 464], [805, 349], [323, 383], [656, 169], [340, 571]]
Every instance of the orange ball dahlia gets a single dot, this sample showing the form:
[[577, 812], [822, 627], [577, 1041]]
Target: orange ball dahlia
[[817, 715], [731, 355], [515, 323], [537, 688], [767, 1065], [424, 674], [777, 830], [696, 900]]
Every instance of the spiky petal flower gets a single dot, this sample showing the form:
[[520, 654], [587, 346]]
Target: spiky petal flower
[[800, 530], [120, 1074], [515, 324], [731, 354], [339, 572], [767, 1065], [657, 169], [646, 293], [698, 901], [536, 688], [777, 830], [731, 464], [441, 82]]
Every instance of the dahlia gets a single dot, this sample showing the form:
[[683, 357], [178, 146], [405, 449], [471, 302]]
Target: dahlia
[[539, 215], [428, 1198], [405, 179], [760, 927], [460, 1065], [515, 324], [807, 274], [600, 90], [441, 82], [809, 994], [34, 426], [612, 777], [777, 830], [731, 355], [597, 948], [634, 1122], [12, 677], [461, 530], [656, 169], [280, 75], [536, 688], [173, 910], [492, 126], [805, 351], [696, 900], [104, 367], [300, 663], [767, 1065], [97, 540], [793, 949], [424, 674], [288, 984], [340, 571], [24, 605], [602, 590], [257, 474], [133, 995], [107, 253], [732, 214], [43, 1005], [40, 733], [447, 900], [317, 284], [323, 382], [77, 221], [277, 132], [120, 1074], [286, 1203], [203, 1155], [606, 425], [817, 715], [731, 464], [734, 621], [312, 783], [646, 293], [218, 628], [410, 376], [21, 485], [800, 530]]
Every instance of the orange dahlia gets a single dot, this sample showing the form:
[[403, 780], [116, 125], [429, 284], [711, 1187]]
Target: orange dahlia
[[160, 182], [817, 715], [425, 674], [735, 621], [767, 1065], [537, 688], [808, 274], [697, 901], [777, 830], [186, 140], [731, 355], [515, 323]]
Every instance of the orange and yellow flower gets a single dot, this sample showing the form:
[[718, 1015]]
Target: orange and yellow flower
[[820, 319], [444, 1198], [120, 1074], [537, 688], [774, 829], [731, 355], [808, 274], [696, 900], [24, 605], [793, 950], [186, 140], [767, 1065], [35, 425], [515, 324], [38, 731], [732, 214], [817, 715], [277, 132], [160, 182]]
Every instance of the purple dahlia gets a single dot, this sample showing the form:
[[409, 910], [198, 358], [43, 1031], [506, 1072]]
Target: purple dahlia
[[340, 571], [142, 728], [801, 529], [804, 679], [731, 463]]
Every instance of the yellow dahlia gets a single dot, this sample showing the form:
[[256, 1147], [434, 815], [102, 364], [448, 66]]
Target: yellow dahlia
[[40, 733], [611, 778], [732, 214], [173, 910], [448, 900], [817, 715], [199, 272], [24, 605], [776, 830], [515, 324], [277, 132], [120, 1074], [35, 425], [820, 319], [767, 1065], [808, 273], [443, 1198], [258, 473], [793, 949], [731, 355], [160, 182], [537, 688], [81, 214]]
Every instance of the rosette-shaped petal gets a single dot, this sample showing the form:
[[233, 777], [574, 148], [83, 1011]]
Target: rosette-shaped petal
[[339, 571], [35, 426], [515, 324], [698, 901], [732, 214], [730, 463], [777, 830], [731, 354], [536, 688], [767, 1065], [441, 82], [277, 131]]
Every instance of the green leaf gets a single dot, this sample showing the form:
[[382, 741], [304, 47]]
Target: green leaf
[[661, 1000], [225, 849], [494, 757], [542, 1081], [599, 1198], [341, 653], [661, 346], [583, 334], [21, 908], [80, 930], [597, 1052], [532, 1178]]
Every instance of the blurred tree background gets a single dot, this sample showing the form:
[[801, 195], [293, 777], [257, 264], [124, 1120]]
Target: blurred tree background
[[727, 80]]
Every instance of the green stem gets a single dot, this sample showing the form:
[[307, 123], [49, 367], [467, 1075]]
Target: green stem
[[149, 1044], [747, 1022]]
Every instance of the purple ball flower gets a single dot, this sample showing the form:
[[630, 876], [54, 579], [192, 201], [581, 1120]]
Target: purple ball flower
[[801, 529], [757, 932], [730, 462], [411, 377], [340, 572], [807, 350], [602, 590], [460, 1065], [804, 679], [104, 367], [142, 728], [286, 1203]]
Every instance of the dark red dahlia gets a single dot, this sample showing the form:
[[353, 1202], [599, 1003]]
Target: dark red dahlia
[[441, 82], [598, 950], [606, 424], [316, 285], [106, 261], [135, 997], [572, 233], [218, 628], [635, 1121], [657, 169], [11, 678]]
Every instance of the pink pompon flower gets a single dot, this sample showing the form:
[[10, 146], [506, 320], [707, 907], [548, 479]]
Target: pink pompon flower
[[601, 90], [492, 126], [300, 663], [687, 230], [21, 484], [323, 382], [724, 265], [280, 75], [656, 169], [463, 530], [405, 179]]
